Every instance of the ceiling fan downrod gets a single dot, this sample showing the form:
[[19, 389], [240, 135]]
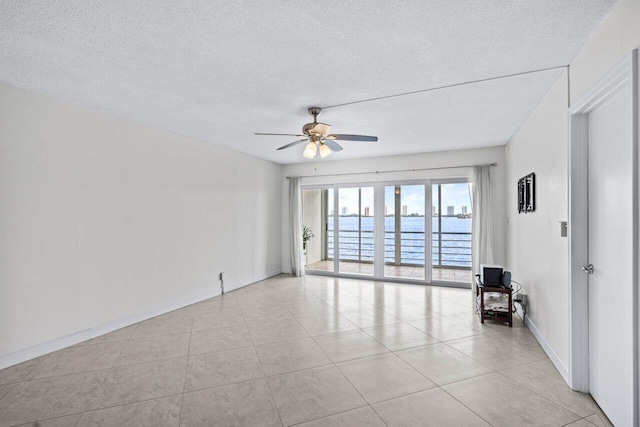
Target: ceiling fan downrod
[[315, 112]]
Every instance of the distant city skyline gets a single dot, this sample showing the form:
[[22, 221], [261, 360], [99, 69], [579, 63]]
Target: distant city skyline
[[411, 200]]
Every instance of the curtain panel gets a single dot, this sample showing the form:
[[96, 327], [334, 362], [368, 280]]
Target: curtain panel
[[482, 238], [295, 227]]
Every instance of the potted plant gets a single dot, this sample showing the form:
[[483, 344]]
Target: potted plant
[[307, 234]]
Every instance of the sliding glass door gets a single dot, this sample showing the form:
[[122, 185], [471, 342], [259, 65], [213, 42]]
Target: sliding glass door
[[416, 231]]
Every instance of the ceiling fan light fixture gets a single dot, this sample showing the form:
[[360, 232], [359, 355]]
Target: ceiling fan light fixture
[[324, 151], [310, 151]]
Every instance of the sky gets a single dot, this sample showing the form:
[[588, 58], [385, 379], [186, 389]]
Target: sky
[[456, 195]]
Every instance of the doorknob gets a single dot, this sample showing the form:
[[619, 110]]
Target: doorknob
[[588, 268]]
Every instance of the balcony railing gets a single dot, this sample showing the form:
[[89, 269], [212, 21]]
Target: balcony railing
[[449, 249]]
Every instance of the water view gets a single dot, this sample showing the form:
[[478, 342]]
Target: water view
[[451, 247]]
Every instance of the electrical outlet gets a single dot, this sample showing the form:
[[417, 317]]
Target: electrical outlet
[[222, 276], [520, 298]]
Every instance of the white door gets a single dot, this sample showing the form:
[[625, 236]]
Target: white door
[[610, 251]]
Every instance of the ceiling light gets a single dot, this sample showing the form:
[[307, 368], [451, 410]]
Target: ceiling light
[[324, 150], [310, 151]]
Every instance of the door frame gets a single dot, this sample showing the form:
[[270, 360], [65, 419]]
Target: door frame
[[623, 77]]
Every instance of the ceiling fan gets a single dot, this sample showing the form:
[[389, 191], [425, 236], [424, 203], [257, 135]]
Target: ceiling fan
[[318, 139]]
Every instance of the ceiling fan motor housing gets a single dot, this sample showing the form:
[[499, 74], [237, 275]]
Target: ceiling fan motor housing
[[315, 128], [307, 129]]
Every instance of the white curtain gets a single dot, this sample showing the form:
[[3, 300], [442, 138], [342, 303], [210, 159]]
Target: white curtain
[[482, 240], [295, 227]]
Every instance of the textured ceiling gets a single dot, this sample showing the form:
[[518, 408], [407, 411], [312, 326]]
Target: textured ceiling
[[220, 70]]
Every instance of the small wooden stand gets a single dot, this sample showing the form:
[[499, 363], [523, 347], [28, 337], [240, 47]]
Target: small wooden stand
[[504, 316]]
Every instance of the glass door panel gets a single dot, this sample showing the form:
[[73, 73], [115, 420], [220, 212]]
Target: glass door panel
[[317, 219], [451, 241], [404, 231], [355, 237]]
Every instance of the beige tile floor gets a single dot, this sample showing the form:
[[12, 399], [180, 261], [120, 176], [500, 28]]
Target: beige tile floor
[[397, 272], [311, 351]]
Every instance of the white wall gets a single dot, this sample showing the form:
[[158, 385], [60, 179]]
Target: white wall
[[618, 35], [541, 146], [312, 218], [312, 169], [104, 221], [537, 255]]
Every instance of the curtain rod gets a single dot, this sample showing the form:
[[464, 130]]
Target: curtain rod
[[391, 171]]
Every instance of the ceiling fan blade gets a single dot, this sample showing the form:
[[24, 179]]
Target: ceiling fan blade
[[321, 128], [345, 137], [278, 134], [332, 144], [291, 144]]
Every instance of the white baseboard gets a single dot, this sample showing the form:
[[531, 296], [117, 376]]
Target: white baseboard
[[251, 281], [553, 356], [29, 353]]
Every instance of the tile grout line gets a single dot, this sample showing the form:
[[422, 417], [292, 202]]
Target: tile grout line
[[337, 413], [504, 378], [73, 373], [210, 387], [186, 367], [102, 409], [273, 400], [438, 386], [544, 397], [472, 411], [121, 366], [378, 415], [95, 396], [77, 373], [332, 363], [24, 379], [11, 386], [343, 376]]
